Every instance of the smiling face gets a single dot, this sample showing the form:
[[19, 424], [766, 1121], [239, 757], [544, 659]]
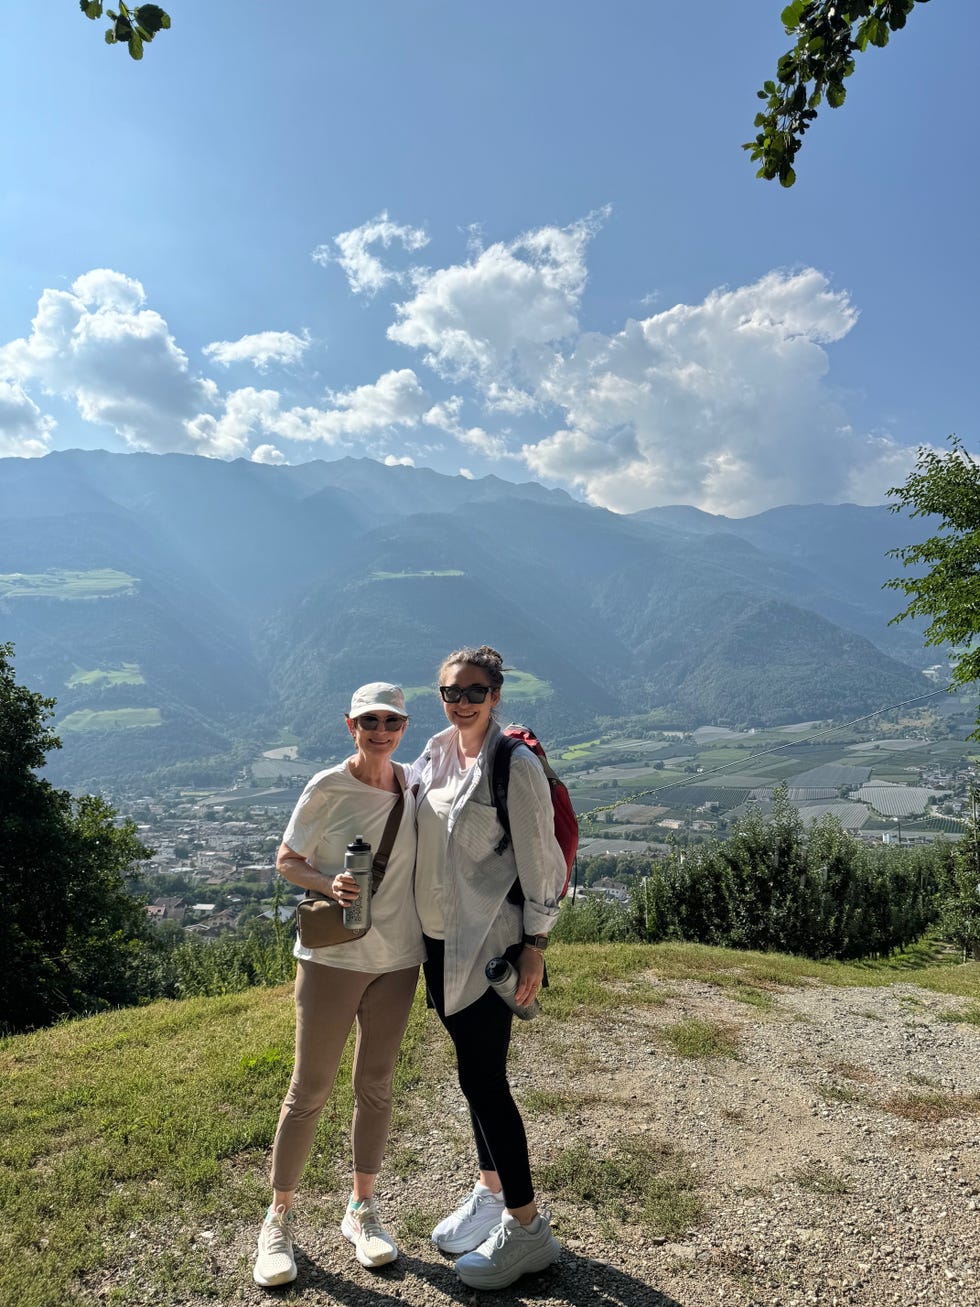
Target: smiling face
[[377, 735], [472, 720]]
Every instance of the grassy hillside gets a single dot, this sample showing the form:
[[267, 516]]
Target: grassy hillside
[[132, 1141]]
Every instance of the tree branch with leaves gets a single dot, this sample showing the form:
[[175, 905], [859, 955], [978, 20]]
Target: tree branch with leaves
[[945, 485], [133, 28], [828, 34]]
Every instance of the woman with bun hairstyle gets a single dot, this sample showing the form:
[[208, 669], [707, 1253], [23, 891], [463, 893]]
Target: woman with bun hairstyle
[[368, 982], [462, 880]]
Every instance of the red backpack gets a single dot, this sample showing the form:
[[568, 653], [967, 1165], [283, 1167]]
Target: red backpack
[[566, 823]]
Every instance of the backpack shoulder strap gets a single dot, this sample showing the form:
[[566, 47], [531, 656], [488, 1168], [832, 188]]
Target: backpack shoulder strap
[[499, 782]]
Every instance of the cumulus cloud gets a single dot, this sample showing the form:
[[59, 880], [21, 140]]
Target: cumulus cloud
[[359, 418], [445, 416], [395, 399], [365, 272], [723, 404], [25, 431], [497, 319], [268, 454], [98, 347], [393, 460], [261, 349]]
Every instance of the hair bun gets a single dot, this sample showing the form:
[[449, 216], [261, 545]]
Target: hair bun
[[491, 654]]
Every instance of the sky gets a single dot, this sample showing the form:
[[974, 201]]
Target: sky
[[518, 239]]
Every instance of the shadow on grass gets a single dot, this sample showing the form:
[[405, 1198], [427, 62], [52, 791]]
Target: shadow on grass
[[409, 1282]]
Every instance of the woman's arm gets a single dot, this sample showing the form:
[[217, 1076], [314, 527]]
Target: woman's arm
[[540, 861], [293, 866]]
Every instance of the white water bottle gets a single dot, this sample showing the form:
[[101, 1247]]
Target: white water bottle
[[504, 979]]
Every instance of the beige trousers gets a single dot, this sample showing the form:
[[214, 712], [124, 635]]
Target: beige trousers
[[329, 1000]]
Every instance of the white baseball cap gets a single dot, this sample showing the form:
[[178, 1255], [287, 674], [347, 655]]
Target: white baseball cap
[[378, 697]]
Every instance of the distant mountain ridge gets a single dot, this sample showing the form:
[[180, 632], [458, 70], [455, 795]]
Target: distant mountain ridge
[[263, 594]]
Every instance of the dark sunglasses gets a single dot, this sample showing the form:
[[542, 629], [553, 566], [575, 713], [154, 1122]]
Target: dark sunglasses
[[472, 693], [370, 721]]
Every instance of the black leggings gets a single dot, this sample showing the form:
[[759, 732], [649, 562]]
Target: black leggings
[[481, 1036]]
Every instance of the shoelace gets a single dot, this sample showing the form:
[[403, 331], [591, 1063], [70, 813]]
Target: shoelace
[[277, 1235], [369, 1219], [495, 1240]]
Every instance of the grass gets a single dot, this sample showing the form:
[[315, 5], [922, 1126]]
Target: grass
[[922, 964], [148, 1116], [933, 1106], [545, 1101], [115, 719], [639, 1180], [836, 1092], [818, 1178], [127, 674], [131, 1131], [968, 1016], [700, 1039], [62, 583]]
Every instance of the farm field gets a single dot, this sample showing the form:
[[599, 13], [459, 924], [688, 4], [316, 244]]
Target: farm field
[[61, 583], [87, 719], [127, 674], [714, 775], [520, 686]]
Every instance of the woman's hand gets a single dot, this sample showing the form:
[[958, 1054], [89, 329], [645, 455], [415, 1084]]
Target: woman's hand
[[344, 888], [530, 973]]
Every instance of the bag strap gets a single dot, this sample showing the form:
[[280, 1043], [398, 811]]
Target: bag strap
[[499, 783], [380, 863]]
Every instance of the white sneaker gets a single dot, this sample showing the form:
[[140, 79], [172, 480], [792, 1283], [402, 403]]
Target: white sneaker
[[274, 1262], [509, 1252], [472, 1221], [372, 1242]]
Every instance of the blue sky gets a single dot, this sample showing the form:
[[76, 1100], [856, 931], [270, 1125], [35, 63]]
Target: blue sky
[[517, 238]]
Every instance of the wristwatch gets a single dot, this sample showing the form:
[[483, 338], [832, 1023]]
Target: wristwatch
[[536, 941]]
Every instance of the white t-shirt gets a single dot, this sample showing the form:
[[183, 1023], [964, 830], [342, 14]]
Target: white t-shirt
[[433, 824], [333, 810]]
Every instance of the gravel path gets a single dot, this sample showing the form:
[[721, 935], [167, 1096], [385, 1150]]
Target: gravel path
[[817, 1188]]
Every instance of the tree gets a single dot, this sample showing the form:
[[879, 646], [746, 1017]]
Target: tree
[[828, 34], [132, 28], [72, 940], [945, 486], [960, 917]]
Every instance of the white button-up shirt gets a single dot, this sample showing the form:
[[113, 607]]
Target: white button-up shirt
[[479, 922]]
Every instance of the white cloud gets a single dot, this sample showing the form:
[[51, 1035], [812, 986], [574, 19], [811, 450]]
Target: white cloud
[[405, 460], [395, 399], [268, 454], [25, 432], [497, 319], [362, 418], [261, 349], [95, 345], [365, 272], [723, 405], [228, 435], [445, 417]]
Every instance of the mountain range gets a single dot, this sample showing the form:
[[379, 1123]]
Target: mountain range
[[185, 611]]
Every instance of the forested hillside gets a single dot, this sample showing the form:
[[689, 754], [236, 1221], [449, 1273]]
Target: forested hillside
[[181, 608]]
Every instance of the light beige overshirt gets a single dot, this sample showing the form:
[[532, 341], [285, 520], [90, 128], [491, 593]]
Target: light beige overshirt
[[478, 921]]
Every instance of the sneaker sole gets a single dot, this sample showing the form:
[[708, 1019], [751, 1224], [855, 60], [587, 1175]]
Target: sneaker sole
[[477, 1278], [350, 1233], [272, 1281]]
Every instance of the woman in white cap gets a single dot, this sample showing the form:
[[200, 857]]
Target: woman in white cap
[[368, 981]]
